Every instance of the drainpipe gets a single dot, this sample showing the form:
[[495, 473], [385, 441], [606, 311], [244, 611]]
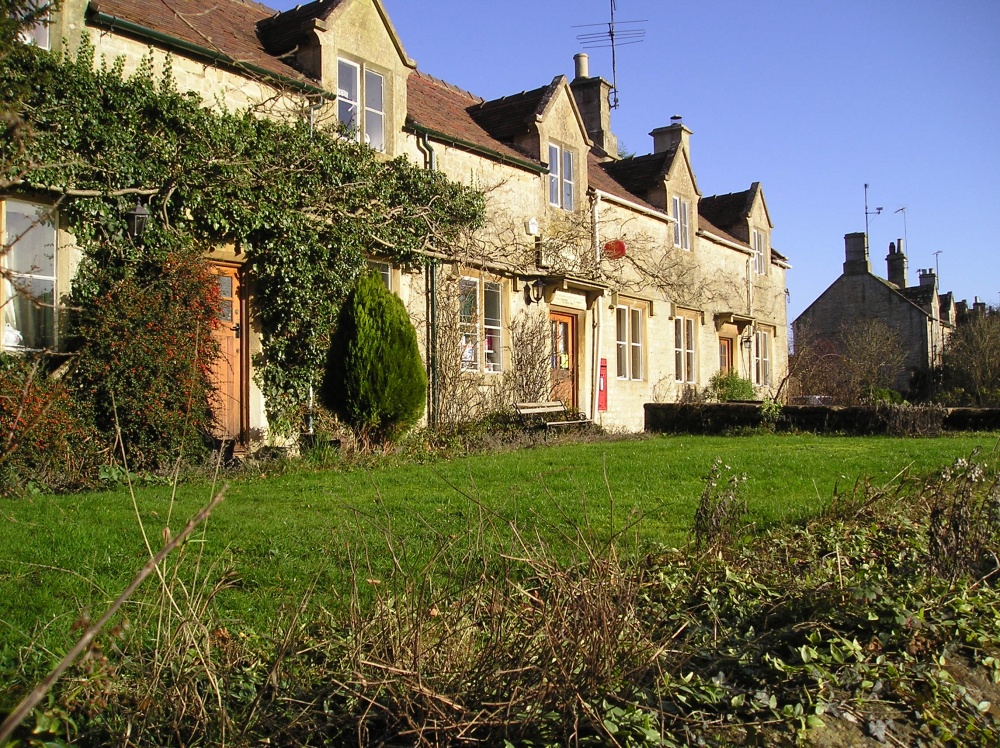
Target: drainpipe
[[430, 163], [597, 312]]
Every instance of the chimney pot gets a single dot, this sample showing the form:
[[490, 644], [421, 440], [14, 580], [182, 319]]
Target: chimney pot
[[582, 61], [895, 263], [856, 254]]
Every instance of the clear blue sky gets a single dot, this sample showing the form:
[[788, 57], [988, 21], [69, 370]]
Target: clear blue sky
[[813, 98]]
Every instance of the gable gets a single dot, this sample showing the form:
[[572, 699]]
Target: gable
[[680, 178]]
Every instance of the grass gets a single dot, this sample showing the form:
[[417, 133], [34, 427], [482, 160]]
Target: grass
[[63, 557]]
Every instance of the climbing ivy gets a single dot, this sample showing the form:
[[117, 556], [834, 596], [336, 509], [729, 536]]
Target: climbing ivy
[[304, 206]]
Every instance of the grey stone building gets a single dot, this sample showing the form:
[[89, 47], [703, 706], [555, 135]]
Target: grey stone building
[[920, 315]]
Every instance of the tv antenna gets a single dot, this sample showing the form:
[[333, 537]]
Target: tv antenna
[[906, 239], [612, 37], [876, 212]]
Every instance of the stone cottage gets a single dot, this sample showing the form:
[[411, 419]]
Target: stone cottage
[[640, 287]]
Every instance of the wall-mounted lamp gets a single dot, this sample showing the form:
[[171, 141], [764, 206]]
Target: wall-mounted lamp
[[746, 341], [531, 226], [534, 292], [136, 219]]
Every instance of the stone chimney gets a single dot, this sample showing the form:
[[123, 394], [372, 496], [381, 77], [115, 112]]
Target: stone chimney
[[896, 264], [856, 254], [978, 307], [927, 277], [671, 136], [593, 99]]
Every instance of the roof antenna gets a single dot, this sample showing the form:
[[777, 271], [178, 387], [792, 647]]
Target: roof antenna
[[613, 38], [876, 212]]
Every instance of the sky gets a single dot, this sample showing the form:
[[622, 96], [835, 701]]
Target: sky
[[812, 98]]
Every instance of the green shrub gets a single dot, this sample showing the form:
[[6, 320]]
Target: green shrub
[[145, 355], [730, 386], [375, 380], [44, 441]]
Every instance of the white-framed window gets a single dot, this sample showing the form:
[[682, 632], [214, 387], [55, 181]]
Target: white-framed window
[[685, 350], [366, 121], [682, 222], [37, 33], [629, 334], [759, 245], [384, 270], [481, 325], [28, 288], [561, 177], [762, 358]]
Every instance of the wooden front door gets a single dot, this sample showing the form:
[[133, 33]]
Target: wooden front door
[[227, 371], [563, 361], [725, 355]]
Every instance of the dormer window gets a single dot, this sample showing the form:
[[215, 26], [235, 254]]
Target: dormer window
[[38, 32], [758, 243], [682, 223], [368, 120], [560, 177]]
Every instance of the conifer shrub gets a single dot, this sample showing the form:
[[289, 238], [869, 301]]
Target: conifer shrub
[[375, 380]]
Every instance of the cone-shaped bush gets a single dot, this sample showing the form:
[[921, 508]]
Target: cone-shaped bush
[[375, 379]]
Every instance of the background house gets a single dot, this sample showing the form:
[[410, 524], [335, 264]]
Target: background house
[[919, 315], [634, 285]]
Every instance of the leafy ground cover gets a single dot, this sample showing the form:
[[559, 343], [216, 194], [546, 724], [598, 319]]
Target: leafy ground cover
[[530, 596]]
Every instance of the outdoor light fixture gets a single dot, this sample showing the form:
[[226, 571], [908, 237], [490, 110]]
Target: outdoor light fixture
[[136, 219], [534, 292]]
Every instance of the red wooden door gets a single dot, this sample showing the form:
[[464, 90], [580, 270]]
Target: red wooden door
[[227, 371], [563, 361]]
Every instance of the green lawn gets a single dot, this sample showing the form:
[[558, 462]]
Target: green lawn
[[63, 555]]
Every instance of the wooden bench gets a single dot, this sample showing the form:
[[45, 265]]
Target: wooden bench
[[551, 414]]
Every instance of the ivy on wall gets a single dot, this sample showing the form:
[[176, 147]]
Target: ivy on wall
[[303, 206]]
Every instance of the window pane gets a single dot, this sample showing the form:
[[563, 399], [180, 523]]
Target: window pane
[[492, 326], [32, 234], [29, 317], [677, 222], [491, 304], [567, 180], [685, 226], [347, 81], [689, 363], [622, 334], [374, 85], [347, 113], [347, 93], [636, 331], [374, 110], [554, 179], [468, 308], [384, 272], [678, 349], [375, 130]]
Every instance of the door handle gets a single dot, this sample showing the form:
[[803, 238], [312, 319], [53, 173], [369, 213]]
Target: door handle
[[237, 328]]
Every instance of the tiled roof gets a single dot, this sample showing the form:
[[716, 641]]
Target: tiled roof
[[439, 106], [510, 116], [599, 179], [639, 174], [228, 27], [727, 210], [281, 32], [920, 295]]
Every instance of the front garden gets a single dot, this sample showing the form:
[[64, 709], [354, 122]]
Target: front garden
[[530, 596]]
